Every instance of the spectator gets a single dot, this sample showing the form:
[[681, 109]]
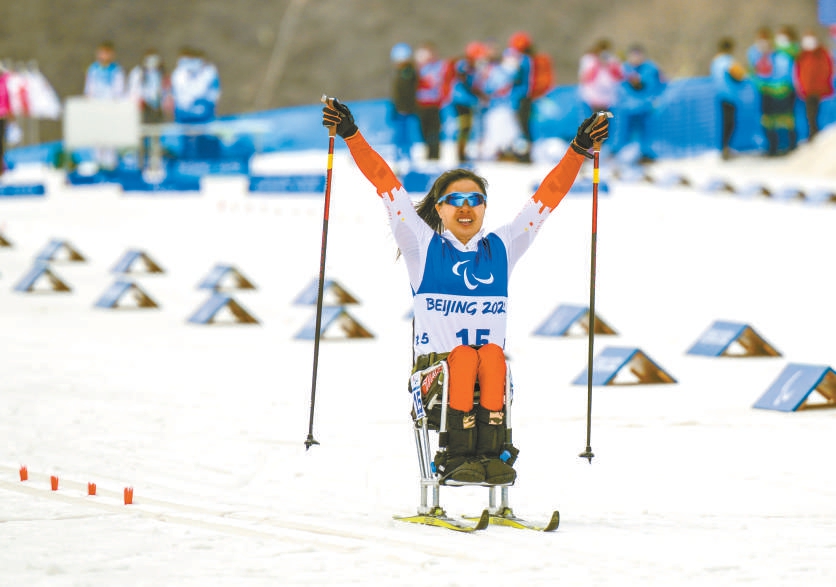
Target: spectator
[[599, 75], [643, 83], [432, 72], [521, 56], [727, 73], [195, 87], [105, 78], [813, 77], [149, 85], [467, 93], [404, 87], [772, 70], [5, 113], [501, 135]]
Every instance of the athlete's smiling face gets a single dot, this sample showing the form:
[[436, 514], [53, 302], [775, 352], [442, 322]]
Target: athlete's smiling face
[[463, 221]]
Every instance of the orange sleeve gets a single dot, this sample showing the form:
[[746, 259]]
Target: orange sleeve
[[372, 165], [559, 180]]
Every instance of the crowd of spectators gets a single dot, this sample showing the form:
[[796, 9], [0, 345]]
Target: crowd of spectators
[[494, 86]]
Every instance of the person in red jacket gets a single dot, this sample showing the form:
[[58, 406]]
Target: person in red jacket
[[813, 77]]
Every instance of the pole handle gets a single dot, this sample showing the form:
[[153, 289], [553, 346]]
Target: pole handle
[[329, 101]]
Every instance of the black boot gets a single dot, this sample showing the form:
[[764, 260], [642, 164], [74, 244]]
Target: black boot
[[458, 463], [492, 449]]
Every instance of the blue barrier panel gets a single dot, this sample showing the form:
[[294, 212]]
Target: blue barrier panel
[[22, 190], [417, 182], [40, 270], [45, 153], [718, 340], [135, 181], [220, 274], [76, 178], [204, 167], [790, 391], [610, 362], [206, 313], [57, 248], [281, 184], [334, 319], [333, 294]]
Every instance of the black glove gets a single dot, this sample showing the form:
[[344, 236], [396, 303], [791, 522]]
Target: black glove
[[594, 129], [340, 117]]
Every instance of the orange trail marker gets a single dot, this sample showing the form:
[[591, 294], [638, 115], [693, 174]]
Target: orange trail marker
[[24, 474], [53, 482], [129, 495], [91, 489]]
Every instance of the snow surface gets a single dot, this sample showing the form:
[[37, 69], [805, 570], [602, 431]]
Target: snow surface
[[690, 485]]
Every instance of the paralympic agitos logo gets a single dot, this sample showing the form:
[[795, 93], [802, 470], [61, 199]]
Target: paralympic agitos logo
[[462, 272]]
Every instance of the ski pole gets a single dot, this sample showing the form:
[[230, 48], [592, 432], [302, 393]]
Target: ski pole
[[596, 149], [332, 132]]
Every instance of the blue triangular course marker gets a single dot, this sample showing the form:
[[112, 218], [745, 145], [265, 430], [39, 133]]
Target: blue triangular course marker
[[333, 294], [39, 272], [820, 196], [794, 387], [287, 184], [22, 190], [225, 277], [608, 368], [717, 184], [788, 193], [136, 261], [222, 309], [571, 320], [59, 250], [671, 179], [732, 339], [121, 289], [754, 189], [336, 323]]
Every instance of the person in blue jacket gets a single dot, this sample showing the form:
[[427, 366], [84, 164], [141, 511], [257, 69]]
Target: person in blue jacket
[[727, 75], [643, 83]]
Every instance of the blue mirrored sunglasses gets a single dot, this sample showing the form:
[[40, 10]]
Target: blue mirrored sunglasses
[[458, 199]]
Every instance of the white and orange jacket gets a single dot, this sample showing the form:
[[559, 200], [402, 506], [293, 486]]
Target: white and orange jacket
[[460, 291]]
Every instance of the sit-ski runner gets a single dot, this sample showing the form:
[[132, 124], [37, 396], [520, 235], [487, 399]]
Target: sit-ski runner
[[459, 277]]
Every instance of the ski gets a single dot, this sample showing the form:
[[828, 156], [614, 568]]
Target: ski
[[438, 517], [506, 517]]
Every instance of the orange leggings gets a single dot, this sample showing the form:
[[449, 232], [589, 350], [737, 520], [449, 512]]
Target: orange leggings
[[467, 365]]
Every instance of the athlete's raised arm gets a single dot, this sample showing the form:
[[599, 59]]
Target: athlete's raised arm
[[369, 161]]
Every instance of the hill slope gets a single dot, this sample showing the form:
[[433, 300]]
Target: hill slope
[[287, 52]]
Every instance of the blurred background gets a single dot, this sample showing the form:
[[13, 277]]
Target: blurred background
[[278, 53]]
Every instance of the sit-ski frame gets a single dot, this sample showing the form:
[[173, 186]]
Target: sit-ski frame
[[430, 479]]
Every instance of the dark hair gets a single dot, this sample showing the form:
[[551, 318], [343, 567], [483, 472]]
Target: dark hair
[[426, 206]]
